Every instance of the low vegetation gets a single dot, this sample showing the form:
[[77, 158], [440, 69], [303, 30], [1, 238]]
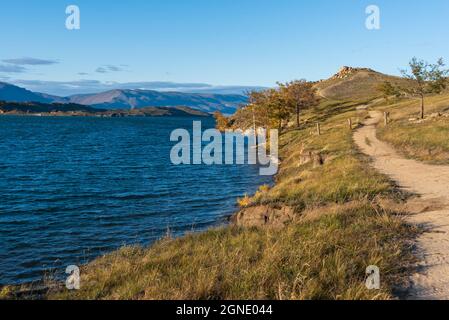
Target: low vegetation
[[425, 140], [317, 258]]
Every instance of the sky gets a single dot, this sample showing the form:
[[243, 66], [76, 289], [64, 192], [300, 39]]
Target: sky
[[187, 44]]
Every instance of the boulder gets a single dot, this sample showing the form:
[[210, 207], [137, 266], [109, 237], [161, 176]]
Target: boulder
[[315, 157], [264, 216]]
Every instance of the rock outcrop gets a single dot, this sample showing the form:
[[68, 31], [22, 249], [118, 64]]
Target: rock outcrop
[[346, 72], [264, 216]]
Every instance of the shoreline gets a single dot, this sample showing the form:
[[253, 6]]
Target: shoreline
[[59, 111]]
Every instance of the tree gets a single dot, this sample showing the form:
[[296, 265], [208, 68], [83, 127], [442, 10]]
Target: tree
[[427, 79], [223, 122], [278, 108], [299, 95], [387, 89]]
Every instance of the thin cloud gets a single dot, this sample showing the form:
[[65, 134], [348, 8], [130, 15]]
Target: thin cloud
[[101, 70], [30, 61], [109, 68], [12, 68], [114, 68]]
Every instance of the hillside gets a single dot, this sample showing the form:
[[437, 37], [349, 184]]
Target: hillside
[[355, 84], [38, 107], [9, 92]]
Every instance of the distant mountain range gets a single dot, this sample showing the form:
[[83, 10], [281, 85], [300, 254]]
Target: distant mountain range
[[72, 109], [11, 93], [131, 99], [134, 99]]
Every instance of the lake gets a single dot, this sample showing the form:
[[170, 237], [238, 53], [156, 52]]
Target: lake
[[72, 189]]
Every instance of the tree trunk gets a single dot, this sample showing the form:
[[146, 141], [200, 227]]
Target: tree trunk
[[422, 106], [255, 132], [297, 116]]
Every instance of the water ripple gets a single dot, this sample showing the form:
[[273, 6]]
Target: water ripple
[[72, 189]]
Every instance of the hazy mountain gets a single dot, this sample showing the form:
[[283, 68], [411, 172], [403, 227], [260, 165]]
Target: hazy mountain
[[131, 99], [238, 90], [9, 92]]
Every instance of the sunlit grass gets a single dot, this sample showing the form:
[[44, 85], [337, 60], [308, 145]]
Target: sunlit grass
[[321, 258], [426, 141]]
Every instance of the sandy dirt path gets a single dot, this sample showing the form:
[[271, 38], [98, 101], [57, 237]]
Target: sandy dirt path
[[431, 183]]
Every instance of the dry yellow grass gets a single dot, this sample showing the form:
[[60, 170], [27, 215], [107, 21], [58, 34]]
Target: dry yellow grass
[[423, 140], [322, 258]]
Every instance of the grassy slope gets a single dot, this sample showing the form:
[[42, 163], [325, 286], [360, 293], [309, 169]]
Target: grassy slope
[[348, 219], [427, 141]]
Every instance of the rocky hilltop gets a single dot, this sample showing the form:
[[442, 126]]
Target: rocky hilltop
[[356, 84], [346, 72]]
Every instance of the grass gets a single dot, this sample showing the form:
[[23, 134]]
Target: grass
[[344, 177], [315, 258], [425, 141]]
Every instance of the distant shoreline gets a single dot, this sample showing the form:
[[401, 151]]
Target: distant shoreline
[[26, 110], [93, 116]]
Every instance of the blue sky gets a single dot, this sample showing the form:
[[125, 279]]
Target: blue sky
[[219, 42]]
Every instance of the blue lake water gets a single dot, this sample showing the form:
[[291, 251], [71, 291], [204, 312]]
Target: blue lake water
[[72, 189]]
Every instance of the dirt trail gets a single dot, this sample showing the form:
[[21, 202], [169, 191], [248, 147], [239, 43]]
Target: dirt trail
[[431, 183]]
